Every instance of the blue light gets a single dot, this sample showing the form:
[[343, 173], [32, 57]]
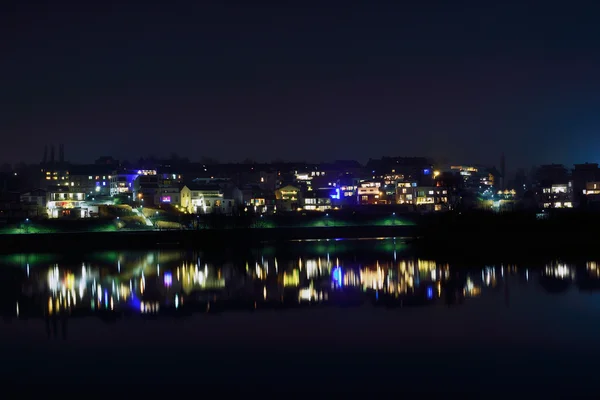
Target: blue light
[[336, 276], [426, 171], [336, 196], [430, 293], [135, 302]]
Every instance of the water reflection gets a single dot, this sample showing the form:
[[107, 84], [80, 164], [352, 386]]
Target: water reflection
[[119, 285]]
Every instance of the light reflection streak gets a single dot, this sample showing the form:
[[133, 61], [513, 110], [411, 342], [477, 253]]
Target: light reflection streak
[[303, 280]]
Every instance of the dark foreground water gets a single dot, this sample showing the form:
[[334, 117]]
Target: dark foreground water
[[314, 318]]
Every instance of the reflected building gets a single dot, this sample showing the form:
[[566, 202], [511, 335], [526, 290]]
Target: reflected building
[[557, 277], [115, 285]]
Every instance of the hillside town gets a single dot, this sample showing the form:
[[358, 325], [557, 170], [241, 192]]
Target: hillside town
[[56, 188]]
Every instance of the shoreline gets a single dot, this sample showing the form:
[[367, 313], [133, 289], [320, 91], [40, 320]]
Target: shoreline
[[503, 240], [188, 239]]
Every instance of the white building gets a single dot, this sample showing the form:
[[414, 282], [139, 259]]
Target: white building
[[558, 195], [207, 199], [66, 204]]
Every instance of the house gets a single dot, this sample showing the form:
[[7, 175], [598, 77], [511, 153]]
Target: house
[[431, 198], [10, 207], [35, 197], [287, 198], [168, 195], [320, 199], [93, 180], [34, 202], [406, 192], [146, 187], [556, 195], [258, 200], [207, 199], [592, 194], [370, 192], [63, 203], [121, 182]]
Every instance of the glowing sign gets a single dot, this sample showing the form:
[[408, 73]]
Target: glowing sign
[[336, 196], [166, 199]]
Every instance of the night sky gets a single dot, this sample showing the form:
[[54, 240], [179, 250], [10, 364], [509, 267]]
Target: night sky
[[459, 81]]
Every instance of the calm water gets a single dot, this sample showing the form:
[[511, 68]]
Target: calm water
[[323, 316]]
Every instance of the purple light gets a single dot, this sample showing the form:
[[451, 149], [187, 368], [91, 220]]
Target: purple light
[[168, 279]]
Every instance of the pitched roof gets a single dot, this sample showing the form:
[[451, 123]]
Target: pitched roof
[[202, 187]]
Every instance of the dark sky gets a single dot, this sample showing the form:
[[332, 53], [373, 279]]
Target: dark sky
[[461, 81]]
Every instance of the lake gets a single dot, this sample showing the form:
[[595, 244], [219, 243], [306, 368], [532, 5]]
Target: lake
[[332, 316]]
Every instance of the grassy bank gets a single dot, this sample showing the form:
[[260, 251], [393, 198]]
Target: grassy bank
[[117, 218], [458, 236], [186, 239]]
